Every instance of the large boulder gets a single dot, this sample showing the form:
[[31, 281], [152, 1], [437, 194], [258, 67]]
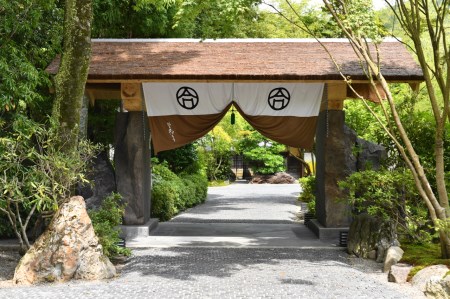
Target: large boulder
[[68, 249], [435, 272], [367, 234], [438, 288], [393, 256], [399, 273], [104, 181], [370, 155]]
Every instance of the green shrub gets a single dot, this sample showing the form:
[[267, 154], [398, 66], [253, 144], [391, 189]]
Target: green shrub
[[311, 207], [106, 221], [164, 197], [188, 193], [308, 194], [36, 176], [172, 194], [266, 159], [181, 160], [308, 185], [200, 184], [390, 196], [162, 172]]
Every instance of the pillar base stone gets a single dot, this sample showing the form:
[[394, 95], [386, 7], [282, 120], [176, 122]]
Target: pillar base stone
[[329, 234], [130, 232]]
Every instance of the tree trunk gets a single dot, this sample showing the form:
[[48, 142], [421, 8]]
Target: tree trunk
[[445, 244], [72, 75]]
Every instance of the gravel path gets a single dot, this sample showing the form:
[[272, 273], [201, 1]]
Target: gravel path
[[231, 272], [246, 203], [227, 273]]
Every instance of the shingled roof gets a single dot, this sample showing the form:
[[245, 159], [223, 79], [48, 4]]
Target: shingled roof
[[247, 59]]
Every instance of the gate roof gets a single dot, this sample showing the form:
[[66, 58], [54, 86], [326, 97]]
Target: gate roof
[[115, 60]]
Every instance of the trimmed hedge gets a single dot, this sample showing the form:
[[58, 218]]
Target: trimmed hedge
[[172, 194]]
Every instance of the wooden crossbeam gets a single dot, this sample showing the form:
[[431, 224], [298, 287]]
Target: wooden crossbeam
[[132, 97]]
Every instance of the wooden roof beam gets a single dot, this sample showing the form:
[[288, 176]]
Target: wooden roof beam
[[102, 91], [366, 91]]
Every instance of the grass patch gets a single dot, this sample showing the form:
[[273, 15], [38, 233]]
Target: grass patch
[[422, 256], [218, 183]]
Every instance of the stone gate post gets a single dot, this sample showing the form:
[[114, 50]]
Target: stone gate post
[[132, 165], [335, 162]]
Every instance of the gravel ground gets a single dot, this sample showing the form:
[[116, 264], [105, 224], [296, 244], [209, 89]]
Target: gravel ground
[[232, 273], [224, 272], [8, 262]]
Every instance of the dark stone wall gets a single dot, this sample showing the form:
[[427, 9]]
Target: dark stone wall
[[370, 155], [132, 165], [335, 162]]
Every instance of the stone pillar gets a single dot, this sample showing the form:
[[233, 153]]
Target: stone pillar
[[335, 162], [132, 165]]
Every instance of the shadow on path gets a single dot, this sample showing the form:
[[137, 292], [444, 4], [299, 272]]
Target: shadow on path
[[190, 263]]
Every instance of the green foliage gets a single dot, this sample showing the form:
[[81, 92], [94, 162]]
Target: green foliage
[[6, 231], [359, 17], [422, 255], [308, 189], [106, 221], [34, 171], [266, 159], [134, 19], [164, 196], [216, 18], [392, 197], [175, 18], [183, 159], [419, 125], [308, 192], [34, 174], [101, 121], [30, 36], [263, 154], [295, 15], [226, 140], [172, 194], [215, 150], [311, 206]]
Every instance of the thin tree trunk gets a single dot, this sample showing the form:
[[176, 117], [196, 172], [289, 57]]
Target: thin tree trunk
[[410, 19], [13, 222]]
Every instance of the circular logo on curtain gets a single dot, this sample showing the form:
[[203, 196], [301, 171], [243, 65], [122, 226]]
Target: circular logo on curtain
[[187, 97], [279, 98]]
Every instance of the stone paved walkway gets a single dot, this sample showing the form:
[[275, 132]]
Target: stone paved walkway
[[234, 270]]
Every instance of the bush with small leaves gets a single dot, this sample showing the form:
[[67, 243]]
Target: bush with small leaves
[[172, 194], [106, 221], [390, 195]]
